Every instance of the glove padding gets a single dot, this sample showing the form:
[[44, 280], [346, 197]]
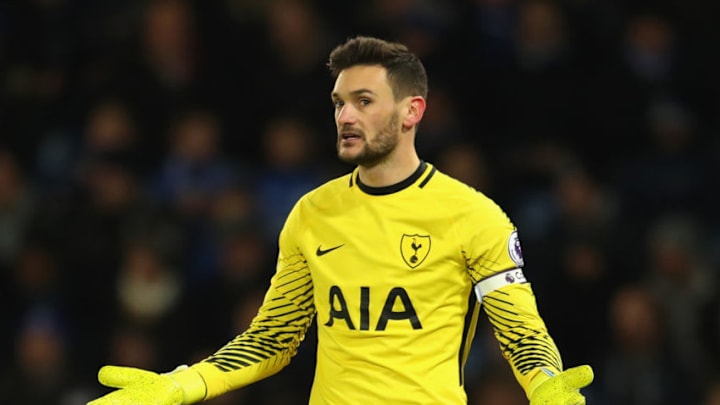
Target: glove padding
[[138, 387], [563, 388]]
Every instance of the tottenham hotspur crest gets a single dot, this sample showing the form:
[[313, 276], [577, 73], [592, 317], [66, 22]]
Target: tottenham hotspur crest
[[414, 249]]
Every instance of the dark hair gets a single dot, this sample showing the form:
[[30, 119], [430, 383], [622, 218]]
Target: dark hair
[[405, 71]]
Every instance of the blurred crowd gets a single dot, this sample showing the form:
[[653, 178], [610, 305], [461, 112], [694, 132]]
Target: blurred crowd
[[150, 150]]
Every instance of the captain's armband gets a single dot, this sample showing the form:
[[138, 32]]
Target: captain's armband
[[492, 283]]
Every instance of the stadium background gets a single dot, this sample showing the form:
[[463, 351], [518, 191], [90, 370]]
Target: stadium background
[[149, 151]]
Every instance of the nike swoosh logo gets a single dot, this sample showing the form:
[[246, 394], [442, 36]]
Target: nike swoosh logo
[[321, 252]]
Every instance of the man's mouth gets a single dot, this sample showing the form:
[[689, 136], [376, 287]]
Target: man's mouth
[[349, 135]]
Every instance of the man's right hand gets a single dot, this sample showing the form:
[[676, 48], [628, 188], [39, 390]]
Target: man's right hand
[[139, 387]]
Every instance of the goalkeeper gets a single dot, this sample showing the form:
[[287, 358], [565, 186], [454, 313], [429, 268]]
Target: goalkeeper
[[393, 260]]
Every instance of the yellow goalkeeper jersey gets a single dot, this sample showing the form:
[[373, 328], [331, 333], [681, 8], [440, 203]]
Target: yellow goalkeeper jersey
[[388, 275]]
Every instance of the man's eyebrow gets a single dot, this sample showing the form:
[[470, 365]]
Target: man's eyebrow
[[357, 92]]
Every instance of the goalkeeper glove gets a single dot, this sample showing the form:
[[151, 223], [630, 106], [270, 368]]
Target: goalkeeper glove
[[562, 388], [140, 387]]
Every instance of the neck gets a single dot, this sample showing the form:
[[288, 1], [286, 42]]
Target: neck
[[389, 172]]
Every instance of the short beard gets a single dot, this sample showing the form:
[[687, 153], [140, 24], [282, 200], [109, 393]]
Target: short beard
[[376, 151]]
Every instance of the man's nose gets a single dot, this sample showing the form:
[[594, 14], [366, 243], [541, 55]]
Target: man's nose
[[346, 115]]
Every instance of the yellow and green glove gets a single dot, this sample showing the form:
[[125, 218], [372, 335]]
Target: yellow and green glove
[[562, 388], [141, 387]]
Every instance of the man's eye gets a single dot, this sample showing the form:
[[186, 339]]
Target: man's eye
[[364, 101], [338, 104]]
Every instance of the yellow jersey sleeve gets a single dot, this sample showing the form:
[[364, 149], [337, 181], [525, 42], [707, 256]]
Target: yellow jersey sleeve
[[494, 249], [522, 335], [275, 333]]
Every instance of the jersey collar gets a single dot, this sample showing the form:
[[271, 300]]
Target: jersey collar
[[393, 188]]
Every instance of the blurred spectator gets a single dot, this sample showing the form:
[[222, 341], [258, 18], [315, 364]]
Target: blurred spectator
[[42, 371], [17, 207], [148, 288], [233, 209], [108, 199], [526, 183], [493, 28], [233, 215], [679, 276], [466, 163], [192, 172], [32, 283], [638, 369], [194, 167], [169, 42], [670, 174], [541, 37], [109, 128], [36, 66], [296, 35], [288, 170], [37, 280], [544, 94], [649, 47]]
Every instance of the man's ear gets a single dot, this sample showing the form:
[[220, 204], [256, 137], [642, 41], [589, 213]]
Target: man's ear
[[414, 112]]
